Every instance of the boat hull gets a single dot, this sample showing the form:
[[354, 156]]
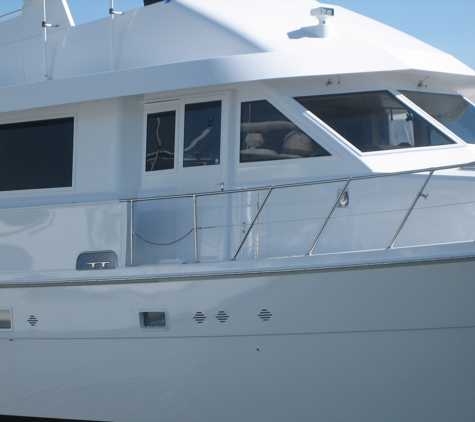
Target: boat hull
[[392, 342]]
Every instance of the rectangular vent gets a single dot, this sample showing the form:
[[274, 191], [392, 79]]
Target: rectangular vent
[[154, 319], [5, 319]]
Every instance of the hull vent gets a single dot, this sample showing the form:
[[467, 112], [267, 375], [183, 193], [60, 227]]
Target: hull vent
[[32, 320], [265, 315], [222, 316], [199, 317]]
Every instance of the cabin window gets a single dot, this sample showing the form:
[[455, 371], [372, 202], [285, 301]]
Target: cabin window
[[202, 134], [266, 134], [160, 141], [36, 154], [374, 121], [453, 111]]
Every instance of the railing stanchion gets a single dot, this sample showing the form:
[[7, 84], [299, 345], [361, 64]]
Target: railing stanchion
[[252, 224], [391, 245], [195, 227], [327, 219], [132, 232]]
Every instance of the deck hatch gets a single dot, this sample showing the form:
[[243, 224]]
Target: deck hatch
[[103, 260]]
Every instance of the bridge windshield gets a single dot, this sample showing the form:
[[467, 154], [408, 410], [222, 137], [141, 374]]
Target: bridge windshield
[[453, 111], [374, 121]]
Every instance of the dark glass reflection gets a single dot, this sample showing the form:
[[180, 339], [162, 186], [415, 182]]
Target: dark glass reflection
[[266, 134], [160, 141], [374, 121], [453, 111], [202, 134], [36, 155]]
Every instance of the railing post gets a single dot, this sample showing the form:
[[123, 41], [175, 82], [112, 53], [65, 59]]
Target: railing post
[[327, 219], [132, 232], [391, 245], [195, 227], [252, 224]]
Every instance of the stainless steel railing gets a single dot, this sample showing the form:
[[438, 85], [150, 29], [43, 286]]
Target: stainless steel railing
[[15, 12], [269, 189]]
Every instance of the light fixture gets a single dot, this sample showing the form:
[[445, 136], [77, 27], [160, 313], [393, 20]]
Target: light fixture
[[322, 14]]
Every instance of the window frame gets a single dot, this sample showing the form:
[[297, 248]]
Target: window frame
[[179, 105]]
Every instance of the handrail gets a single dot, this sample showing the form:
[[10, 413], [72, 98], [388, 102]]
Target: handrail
[[132, 232], [195, 227], [270, 189], [291, 185], [409, 211], [328, 217], [11, 13], [252, 224]]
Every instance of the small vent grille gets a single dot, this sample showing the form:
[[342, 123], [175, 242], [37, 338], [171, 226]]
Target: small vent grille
[[222, 316], [32, 320], [265, 315], [199, 317]]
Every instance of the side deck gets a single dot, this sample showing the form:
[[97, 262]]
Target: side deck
[[247, 227]]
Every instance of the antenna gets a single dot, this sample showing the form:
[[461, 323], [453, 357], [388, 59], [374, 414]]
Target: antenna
[[45, 26], [113, 12]]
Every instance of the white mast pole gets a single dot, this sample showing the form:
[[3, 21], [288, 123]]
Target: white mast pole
[[45, 59]]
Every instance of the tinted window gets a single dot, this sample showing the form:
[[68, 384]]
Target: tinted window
[[160, 141], [453, 111], [266, 134], [36, 155], [374, 121], [202, 134]]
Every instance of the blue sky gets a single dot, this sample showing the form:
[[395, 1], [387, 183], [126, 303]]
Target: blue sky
[[449, 26]]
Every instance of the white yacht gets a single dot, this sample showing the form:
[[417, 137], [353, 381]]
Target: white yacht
[[223, 210]]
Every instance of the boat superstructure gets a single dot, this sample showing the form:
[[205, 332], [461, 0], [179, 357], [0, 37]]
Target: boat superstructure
[[227, 210]]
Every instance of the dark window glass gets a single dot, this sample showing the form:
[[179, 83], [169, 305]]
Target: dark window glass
[[453, 111], [154, 319], [160, 141], [374, 121], [266, 134], [36, 155], [5, 319], [202, 134]]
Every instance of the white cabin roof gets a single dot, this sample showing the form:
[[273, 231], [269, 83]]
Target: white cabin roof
[[189, 44]]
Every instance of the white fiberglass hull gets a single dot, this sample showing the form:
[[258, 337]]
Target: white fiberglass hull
[[370, 343]]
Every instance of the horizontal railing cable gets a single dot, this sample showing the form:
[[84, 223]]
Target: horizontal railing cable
[[163, 244]]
